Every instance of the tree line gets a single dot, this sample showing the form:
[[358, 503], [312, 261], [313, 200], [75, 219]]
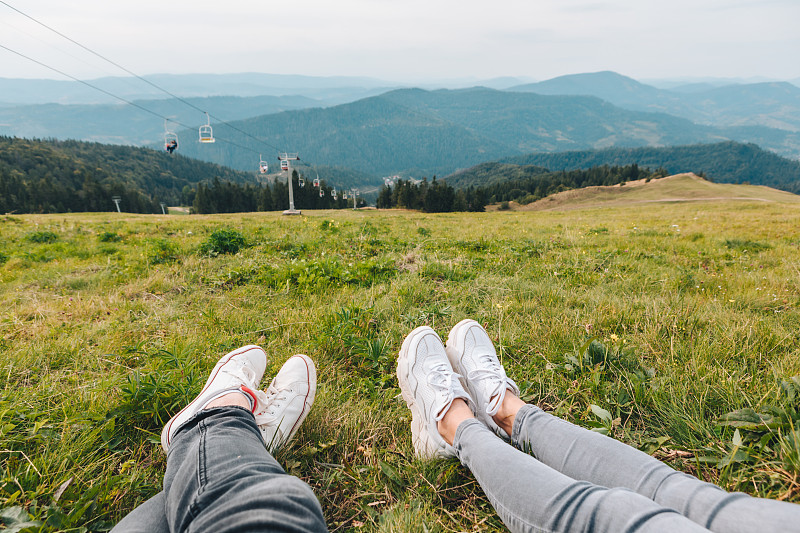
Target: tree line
[[434, 197], [439, 196], [228, 197], [542, 184]]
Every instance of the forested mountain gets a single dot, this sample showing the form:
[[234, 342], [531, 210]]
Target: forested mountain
[[376, 136], [58, 176], [727, 162], [418, 133], [773, 104]]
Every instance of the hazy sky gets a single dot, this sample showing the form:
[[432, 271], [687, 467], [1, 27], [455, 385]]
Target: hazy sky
[[409, 40]]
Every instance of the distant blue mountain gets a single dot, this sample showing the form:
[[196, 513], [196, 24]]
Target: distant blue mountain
[[771, 104], [335, 89]]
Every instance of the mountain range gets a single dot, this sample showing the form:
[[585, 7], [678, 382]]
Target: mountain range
[[412, 132]]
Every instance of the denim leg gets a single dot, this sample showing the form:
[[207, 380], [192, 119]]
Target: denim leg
[[532, 497], [220, 478], [149, 517], [586, 455]]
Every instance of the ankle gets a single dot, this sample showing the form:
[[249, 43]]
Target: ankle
[[238, 398], [458, 412], [508, 412]]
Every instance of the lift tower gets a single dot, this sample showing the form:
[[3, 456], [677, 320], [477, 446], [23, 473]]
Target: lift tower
[[286, 159]]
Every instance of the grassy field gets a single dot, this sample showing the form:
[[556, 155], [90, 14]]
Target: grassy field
[[674, 327], [678, 188]]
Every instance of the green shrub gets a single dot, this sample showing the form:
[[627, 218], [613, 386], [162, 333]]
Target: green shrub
[[42, 237], [744, 245], [317, 275], [109, 236], [223, 241], [162, 251], [3, 258]]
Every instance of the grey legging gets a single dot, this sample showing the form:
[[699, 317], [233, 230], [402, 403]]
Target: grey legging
[[579, 480], [221, 479]]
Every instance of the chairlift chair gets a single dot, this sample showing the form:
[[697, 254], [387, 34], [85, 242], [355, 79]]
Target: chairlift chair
[[316, 182], [170, 142], [263, 166], [321, 192], [206, 132], [170, 138], [284, 164], [301, 181]]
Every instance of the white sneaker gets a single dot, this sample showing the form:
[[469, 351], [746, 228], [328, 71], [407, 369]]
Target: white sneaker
[[429, 387], [240, 370], [472, 354], [288, 401]]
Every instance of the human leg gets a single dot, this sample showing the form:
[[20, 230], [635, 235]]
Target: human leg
[[527, 495], [585, 455], [149, 517], [219, 476], [590, 456]]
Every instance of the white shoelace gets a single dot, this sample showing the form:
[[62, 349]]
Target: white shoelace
[[487, 377], [440, 378], [272, 401], [244, 373]]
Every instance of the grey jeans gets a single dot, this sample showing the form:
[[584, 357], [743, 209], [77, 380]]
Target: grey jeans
[[579, 480], [220, 478]]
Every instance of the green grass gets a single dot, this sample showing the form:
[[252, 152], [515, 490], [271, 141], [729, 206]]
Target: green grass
[[673, 328]]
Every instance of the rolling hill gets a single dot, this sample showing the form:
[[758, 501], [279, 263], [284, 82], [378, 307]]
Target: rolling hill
[[58, 176], [686, 187], [727, 162]]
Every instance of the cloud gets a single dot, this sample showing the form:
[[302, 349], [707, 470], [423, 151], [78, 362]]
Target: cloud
[[443, 38]]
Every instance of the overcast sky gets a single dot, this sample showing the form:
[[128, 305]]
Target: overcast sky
[[409, 40]]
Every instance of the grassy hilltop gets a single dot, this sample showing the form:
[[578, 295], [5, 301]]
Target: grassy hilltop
[[670, 326]]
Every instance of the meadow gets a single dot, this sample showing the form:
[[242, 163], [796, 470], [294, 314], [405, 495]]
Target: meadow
[[673, 327]]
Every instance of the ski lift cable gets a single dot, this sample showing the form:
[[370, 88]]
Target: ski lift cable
[[109, 93], [121, 99], [152, 84], [56, 48], [128, 71]]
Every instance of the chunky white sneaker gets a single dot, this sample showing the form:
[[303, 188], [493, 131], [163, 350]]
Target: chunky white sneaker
[[429, 387], [239, 370], [472, 354], [288, 401]]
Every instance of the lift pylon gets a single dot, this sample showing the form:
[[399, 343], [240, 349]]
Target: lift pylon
[[286, 158]]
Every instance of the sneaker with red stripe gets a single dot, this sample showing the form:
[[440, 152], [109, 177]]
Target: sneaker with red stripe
[[240, 370]]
